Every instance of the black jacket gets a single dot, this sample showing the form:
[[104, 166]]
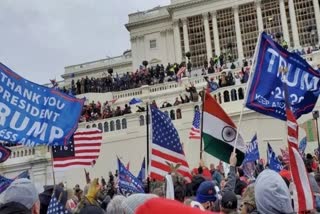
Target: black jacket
[[14, 208]]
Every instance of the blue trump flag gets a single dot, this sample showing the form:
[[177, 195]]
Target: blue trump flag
[[128, 183], [273, 160], [303, 145], [266, 91], [252, 153], [141, 175], [31, 114]]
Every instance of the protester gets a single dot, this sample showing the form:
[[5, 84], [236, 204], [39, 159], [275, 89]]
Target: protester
[[229, 203], [115, 205], [248, 205], [272, 194], [73, 202], [21, 197]]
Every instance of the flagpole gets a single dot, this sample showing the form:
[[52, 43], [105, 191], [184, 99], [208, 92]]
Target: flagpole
[[201, 140], [53, 174], [148, 149], [247, 90]]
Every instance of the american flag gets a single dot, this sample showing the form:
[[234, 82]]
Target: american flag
[[304, 200], [181, 71], [195, 130], [83, 150], [55, 207], [166, 147]]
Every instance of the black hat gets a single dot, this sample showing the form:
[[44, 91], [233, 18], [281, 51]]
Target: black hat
[[229, 200]]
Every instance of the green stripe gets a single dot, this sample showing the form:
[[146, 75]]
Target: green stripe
[[220, 149]]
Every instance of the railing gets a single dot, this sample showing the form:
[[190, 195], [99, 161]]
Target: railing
[[128, 93], [98, 63], [198, 81], [21, 151]]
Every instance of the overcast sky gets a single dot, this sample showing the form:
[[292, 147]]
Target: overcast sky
[[38, 38]]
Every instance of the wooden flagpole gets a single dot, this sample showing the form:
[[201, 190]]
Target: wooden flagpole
[[53, 174], [247, 91]]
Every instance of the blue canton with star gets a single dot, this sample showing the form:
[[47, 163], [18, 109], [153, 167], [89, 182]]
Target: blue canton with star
[[55, 207], [164, 133]]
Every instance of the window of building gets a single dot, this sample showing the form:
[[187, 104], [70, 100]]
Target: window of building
[[106, 126], [179, 115], [197, 41], [306, 22], [227, 34], [153, 43], [249, 28], [94, 126], [118, 125], [271, 16], [112, 126], [124, 123], [172, 115], [141, 120], [100, 126]]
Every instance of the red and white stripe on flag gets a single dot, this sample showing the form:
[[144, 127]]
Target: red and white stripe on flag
[[87, 144], [181, 71], [159, 158], [303, 198], [194, 133]]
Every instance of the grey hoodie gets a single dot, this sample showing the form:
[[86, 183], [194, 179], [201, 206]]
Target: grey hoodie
[[272, 194]]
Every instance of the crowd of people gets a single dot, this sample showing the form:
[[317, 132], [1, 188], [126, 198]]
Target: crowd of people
[[209, 191], [143, 76], [95, 111]]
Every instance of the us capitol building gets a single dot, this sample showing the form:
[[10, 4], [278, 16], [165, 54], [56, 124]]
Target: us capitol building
[[163, 35]]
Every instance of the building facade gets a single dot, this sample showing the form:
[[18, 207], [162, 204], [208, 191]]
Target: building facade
[[213, 27], [162, 35]]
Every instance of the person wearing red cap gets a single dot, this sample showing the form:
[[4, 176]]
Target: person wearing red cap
[[160, 206]]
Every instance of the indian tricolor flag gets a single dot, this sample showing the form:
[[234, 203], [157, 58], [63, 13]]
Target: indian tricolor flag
[[219, 132]]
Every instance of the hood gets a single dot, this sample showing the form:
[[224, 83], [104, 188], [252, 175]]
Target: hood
[[272, 194], [14, 208]]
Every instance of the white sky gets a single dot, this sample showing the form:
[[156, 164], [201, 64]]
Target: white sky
[[38, 38]]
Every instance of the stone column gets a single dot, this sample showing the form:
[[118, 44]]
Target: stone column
[[207, 34], [238, 33], [177, 41], [185, 35], [317, 16], [259, 15], [163, 47], [284, 22], [134, 51], [295, 33], [215, 33]]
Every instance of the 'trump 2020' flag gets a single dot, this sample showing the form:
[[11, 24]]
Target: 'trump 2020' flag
[[195, 130], [304, 200], [219, 132], [32, 114], [127, 182], [166, 147], [83, 150], [266, 92], [252, 152], [252, 155], [273, 160]]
